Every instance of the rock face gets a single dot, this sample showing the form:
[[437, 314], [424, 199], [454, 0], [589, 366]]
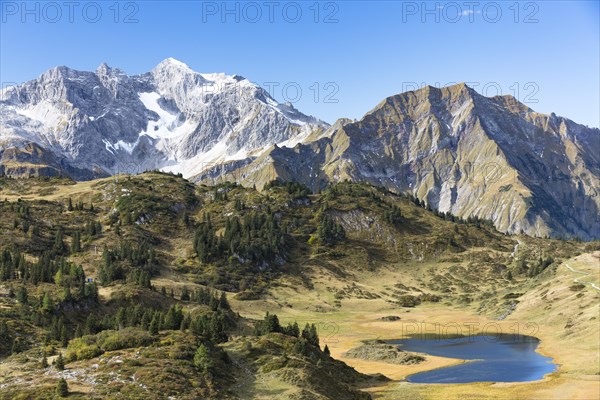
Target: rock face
[[106, 122], [460, 152], [377, 350]]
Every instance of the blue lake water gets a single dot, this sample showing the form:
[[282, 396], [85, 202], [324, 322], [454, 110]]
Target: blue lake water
[[500, 358]]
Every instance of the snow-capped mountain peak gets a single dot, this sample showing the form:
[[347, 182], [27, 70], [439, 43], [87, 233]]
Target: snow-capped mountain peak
[[175, 62], [171, 117]]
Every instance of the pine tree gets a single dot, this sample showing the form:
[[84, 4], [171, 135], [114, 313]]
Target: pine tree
[[59, 363], [145, 280], [47, 303], [90, 325], [21, 295], [120, 319], [305, 332], [223, 303], [309, 333], [300, 347], [102, 275], [153, 329], [64, 336], [76, 244], [185, 294], [59, 245], [17, 346], [314, 336], [202, 359], [62, 388], [272, 323], [326, 351], [295, 331], [269, 324], [329, 231], [44, 362]]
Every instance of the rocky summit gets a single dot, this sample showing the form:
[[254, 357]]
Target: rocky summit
[[106, 122], [490, 158]]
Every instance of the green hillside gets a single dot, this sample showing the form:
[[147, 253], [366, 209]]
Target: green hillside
[[152, 286]]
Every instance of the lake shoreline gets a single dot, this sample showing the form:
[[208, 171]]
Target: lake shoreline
[[502, 358]]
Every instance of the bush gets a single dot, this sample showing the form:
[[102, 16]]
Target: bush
[[247, 295], [428, 297], [408, 301], [126, 338], [91, 346], [577, 287], [82, 349]]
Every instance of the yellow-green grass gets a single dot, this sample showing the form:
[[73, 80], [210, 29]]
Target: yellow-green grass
[[575, 349]]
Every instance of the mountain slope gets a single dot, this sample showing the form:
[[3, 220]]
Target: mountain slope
[[459, 152], [119, 276], [106, 122], [462, 153]]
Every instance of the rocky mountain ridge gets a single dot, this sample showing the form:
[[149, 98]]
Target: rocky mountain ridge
[[454, 149], [107, 122], [461, 153]]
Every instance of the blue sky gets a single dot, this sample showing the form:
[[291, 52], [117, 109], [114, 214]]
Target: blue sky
[[345, 58]]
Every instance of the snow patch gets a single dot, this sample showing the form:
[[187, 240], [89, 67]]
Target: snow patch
[[160, 128], [207, 160], [109, 147], [44, 112], [128, 147], [120, 145], [293, 141]]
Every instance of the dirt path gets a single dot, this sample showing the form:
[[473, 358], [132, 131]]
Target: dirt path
[[578, 280]]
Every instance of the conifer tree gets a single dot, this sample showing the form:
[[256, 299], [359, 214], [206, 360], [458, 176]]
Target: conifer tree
[[185, 294], [21, 295], [64, 336], [47, 303], [76, 244], [153, 329], [59, 363], [223, 303], [62, 388], [202, 359]]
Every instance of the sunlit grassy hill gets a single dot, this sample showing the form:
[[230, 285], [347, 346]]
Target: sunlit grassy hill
[[129, 278]]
